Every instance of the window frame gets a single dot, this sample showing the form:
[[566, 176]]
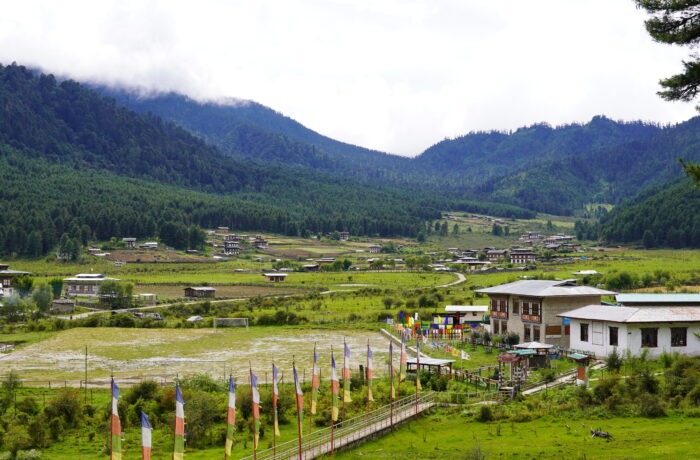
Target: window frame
[[584, 333], [616, 335], [683, 342], [649, 337]]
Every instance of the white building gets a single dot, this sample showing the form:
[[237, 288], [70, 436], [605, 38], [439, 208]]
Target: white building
[[85, 284], [598, 329]]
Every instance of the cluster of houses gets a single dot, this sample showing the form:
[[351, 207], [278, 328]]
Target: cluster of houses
[[566, 314]]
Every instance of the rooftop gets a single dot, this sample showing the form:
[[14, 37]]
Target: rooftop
[[545, 288], [658, 298], [647, 314]]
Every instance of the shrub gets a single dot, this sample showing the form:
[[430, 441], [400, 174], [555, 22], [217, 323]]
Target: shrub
[[650, 406], [485, 414], [614, 361]]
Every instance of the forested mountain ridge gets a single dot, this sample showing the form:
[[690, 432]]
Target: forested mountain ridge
[[666, 215], [75, 163], [547, 169], [250, 130]]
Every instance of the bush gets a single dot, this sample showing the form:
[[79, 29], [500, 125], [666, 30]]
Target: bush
[[485, 414], [650, 406], [614, 361]]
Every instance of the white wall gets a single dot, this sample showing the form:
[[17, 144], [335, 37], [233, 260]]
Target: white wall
[[630, 338]]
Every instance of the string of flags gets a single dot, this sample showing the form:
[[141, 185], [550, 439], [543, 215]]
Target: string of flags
[[336, 398]]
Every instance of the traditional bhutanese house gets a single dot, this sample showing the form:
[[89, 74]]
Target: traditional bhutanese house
[[310, 267], [85, 284], [530, 308], [375, 249], [146, 299], [200, 291], [62, 306], [658, 300], [344, 236], [6, 279], [522, 256], [495, 255], [232, 247], [222, 230], [276, 277], [598, 329]]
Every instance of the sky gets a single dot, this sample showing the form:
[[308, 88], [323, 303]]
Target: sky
[[392, 75]]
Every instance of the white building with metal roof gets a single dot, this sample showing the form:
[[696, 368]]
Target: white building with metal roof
[[656, 300], [598, 329]]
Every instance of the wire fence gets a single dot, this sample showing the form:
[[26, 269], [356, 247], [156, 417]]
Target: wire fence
[[326, 440]]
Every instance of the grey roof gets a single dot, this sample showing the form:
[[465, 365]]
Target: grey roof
[[466, 308], [658, 298], [430, 361], [620, 314], [545, 288], [533, 345], [13, 272]]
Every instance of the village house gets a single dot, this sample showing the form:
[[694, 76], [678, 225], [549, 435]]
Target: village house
[[496, 255], [344, 236], [523, 256], [465, 314], [260, 242], [232, 247], [129, 242], [6, 280], [149, 245], [200, 292], [530, 308], [600, 329], [222, 230], [85, 284], [375, 249]]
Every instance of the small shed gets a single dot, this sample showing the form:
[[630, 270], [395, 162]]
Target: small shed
[[202, 291], [276, 277], [537, 353], [62, 306], [439, 366]]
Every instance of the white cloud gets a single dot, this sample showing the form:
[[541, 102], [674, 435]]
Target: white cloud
[[394, 75]]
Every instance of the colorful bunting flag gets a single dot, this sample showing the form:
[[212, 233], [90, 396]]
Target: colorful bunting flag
[[230, 416], [275, 397], [346, 375], [115, 425], [403, 359], [418, 385], [392, 391], [256, 409], [315, 383], [335, 388], [146, 443], [179, 444], [370, 373], [300, 394]]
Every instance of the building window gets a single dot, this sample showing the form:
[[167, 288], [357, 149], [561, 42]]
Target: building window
[[584, 332], [526, 335], [495, 326], [679, 336], [516, 307], [650, 337], [504, 327], [613, 336], [535, 333]]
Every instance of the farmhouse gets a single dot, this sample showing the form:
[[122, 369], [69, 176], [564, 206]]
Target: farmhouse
[[375, 249], [522, 256], [85, 284], [201, 291], [598, 329], [344, 236], [129, 242], [276, 277], [530, 308], [494, 255], [232, 247], [6, 280]]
